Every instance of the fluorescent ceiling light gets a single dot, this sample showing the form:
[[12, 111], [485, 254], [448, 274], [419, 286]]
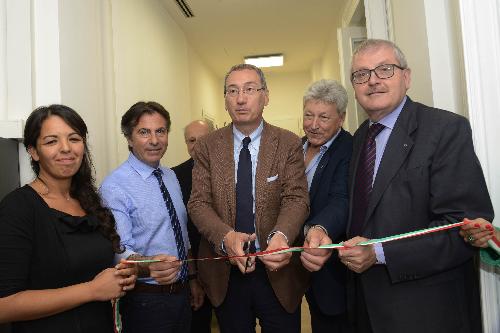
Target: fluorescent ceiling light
[[269, 60]]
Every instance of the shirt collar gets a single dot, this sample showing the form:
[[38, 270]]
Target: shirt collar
[[238, 136], [143, 169], [324, 146], [390, 119]]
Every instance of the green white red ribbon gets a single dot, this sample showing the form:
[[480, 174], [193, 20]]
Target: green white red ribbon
[[116, 314]]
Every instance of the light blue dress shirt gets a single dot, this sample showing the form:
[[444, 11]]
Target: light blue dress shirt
[[133, 194], [313, 164], [381, 140], [253, 146]]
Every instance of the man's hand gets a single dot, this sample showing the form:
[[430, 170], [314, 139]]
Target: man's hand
[[233, 244], [197, 294], [314, 259], [274, 262], [357, 258], [165, 271]]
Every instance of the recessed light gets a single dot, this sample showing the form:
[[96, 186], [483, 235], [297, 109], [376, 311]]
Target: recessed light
[[268, 60]]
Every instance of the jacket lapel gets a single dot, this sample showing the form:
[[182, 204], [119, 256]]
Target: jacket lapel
[[396, 151], [359, 139], [225, 158], [323, 163], [267, 153]]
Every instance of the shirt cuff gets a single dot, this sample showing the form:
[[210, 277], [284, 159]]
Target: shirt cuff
[[379, 253], [123, 255], [276, 232], [308, 227]]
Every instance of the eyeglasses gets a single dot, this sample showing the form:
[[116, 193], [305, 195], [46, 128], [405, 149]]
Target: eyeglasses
[[145, 133], [383, 72], [233, 91]]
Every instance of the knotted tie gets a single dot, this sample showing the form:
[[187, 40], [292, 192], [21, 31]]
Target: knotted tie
[[176, 226], [364, 179], [244, 197]]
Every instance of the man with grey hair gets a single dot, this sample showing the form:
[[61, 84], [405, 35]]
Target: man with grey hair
[[413, 167], [250, 194], [201, 307], [327, 153]]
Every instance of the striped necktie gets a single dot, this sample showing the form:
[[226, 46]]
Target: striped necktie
[[364, 179], [176, 226]]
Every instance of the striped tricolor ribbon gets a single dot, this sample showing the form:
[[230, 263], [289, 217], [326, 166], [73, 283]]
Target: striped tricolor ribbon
[[116, 313]]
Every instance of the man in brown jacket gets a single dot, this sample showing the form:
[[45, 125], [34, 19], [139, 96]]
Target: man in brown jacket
[[249, 187]]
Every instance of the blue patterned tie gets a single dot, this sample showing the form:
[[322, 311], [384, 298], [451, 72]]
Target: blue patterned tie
[[176, 226], [364, 179]]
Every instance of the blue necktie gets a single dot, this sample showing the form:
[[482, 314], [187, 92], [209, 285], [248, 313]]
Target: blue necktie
[[244, 198], [176, 226], [364, 180]]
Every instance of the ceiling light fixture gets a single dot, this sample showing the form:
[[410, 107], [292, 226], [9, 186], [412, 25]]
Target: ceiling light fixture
[[268, 60]]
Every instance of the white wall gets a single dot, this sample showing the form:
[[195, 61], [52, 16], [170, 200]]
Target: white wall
[[207, 94], [285, 99], [410, 35], [82, 68], [328, 67], [100, 57], [151, 63]]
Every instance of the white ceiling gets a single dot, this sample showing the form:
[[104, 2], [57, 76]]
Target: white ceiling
[[223, 32]]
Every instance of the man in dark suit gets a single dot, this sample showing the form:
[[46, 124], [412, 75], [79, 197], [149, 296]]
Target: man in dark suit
[[327, 152], [413, 167], [264, 165], [201, 307]]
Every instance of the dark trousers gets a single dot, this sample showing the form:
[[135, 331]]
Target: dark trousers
[[362, 322], [251, 296], [201, 321], [323, 323], [156, 312]]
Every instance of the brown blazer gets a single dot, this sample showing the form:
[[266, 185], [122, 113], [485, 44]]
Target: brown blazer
[[282, 204]]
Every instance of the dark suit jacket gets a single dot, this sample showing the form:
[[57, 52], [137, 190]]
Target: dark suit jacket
[[281, 203], [329, 208], [428, 171], [183, 172]]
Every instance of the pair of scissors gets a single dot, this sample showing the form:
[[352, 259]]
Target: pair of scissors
[[246, 249]]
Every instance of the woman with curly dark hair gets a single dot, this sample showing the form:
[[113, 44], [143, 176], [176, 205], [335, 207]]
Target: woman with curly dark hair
[[57, 241]]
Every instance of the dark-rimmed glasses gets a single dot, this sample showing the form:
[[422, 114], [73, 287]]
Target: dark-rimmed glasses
[[384, 71]]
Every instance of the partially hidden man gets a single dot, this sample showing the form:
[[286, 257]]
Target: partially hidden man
[[201, 308], [327, 153]]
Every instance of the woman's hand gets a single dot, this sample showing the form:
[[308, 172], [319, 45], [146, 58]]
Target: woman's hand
[[107, 285], [477, 232]]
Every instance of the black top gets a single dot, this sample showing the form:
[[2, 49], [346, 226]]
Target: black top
[[43, 248]]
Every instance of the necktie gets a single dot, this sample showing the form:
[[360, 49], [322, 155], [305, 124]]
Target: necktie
[[364, 179], [244, 197], [176, 226]]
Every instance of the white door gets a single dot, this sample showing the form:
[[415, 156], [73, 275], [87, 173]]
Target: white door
[[349, 38]]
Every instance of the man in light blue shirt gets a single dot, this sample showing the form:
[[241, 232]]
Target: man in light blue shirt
[[151, 219]]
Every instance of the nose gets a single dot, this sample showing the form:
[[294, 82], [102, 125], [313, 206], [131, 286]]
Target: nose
[[65, 146], [153, 139], [373, 78], [241, 98], [315, 122]]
